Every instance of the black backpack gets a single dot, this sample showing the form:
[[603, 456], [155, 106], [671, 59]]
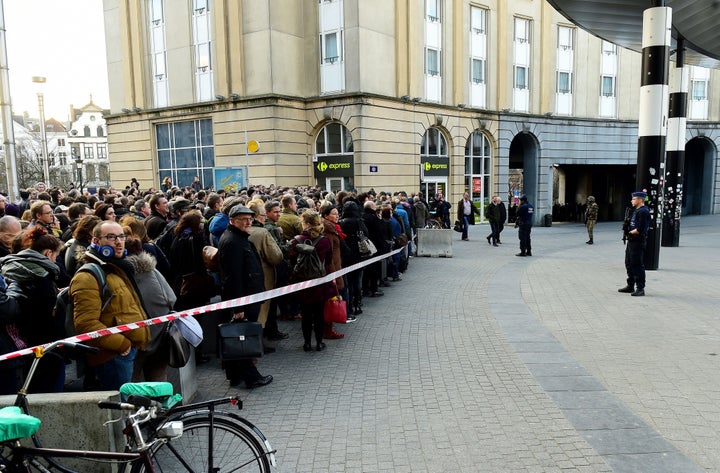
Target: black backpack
[[308, 265]]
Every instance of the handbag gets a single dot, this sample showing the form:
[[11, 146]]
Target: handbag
[[458, 226], [240, 341], [401, 240], [211, 258], [365, 245], [335, 311], [180, 350], [201, 284]]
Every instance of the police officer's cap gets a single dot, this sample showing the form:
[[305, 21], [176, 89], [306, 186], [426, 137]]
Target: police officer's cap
[[523, 198], [639, 194]]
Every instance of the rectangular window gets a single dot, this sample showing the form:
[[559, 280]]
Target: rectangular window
[[478, 71], [563, 83], [607, 86], [102, 151], [61, 141], [521, 79], [608, 48], [432, 10], [63, 158], [331, 47], [565, 38], [522, 30], [699, 90], [186, 149], [432, 62], [477, 20], [88, 151]]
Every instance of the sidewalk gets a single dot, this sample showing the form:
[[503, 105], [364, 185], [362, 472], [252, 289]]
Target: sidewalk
[[486, 362]]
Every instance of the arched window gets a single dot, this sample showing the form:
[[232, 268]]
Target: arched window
[[333, 161], [86, 131], [100, 131], [477, 169], [434, 162]]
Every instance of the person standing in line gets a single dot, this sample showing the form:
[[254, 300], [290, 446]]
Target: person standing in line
[[635, 249], [591, 213], [466, 214], [503, 217], [241, 275], [524, 225], [493, 216]]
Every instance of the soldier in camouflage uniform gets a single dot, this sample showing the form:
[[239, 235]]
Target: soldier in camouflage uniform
[[591, 213]]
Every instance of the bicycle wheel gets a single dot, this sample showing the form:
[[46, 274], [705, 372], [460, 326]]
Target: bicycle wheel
[[234, 448]]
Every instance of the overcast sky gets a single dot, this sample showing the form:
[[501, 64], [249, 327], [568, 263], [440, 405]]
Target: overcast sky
[[62, 40]]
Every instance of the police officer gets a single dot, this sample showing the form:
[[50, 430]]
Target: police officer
[[635, 250], [524, 225]]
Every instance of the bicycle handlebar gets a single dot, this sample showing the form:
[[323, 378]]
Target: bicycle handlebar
[[135, 402], [117, 406]]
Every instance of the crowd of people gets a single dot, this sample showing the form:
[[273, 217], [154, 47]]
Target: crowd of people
[[149, 246]]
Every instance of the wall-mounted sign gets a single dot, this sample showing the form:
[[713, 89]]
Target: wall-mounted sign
[[432, 166], [373, 169], [230, 179], [333, 166]]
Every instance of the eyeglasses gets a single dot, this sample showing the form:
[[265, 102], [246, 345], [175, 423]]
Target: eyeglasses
[[111, 237], [48, 213], [245, 219]]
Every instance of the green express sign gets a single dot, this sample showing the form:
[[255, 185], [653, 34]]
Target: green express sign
[[333, 166], [435, 166]]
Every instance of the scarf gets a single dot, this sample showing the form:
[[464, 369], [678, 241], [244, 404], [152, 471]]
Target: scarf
[[340, 232]]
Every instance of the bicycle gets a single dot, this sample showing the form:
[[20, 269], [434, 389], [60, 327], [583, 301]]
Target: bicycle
[[193, 438]]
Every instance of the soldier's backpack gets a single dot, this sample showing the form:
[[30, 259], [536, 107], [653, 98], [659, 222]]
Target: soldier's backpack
[[64, 307], [308, 265]]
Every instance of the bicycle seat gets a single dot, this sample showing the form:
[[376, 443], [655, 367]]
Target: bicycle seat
[[160, 391], [16, 425]]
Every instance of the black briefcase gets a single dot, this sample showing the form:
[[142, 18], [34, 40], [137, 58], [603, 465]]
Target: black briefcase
[[240, 341]]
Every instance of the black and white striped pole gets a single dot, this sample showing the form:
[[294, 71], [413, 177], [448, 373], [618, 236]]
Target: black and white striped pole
[[652, 125], [675, 157]]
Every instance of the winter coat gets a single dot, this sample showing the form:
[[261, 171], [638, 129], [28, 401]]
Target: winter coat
[[270, 256], [241, 272], [332, 234], [155, 224], [218, 225], [10, 316], [125, 306], [375, 230], [290, 223], [323, 247], [351, 224], [35, 276], [421, 213], [461, 211], [157, 295]]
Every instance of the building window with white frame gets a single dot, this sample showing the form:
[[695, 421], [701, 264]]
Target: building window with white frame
[[478, 56], [477, 169], [699, 81], [101, 151], [88, 151], [432, 62], [521, 56], [158, 53], [202, 46], [565, 68], [432, 10], [331, 46], [608, 79]]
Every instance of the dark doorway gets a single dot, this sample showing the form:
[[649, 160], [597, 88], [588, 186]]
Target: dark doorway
[[611, 185], [524, 157], [697, 176]]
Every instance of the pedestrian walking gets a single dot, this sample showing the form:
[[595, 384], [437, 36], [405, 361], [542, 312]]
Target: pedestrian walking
[[524, 223]]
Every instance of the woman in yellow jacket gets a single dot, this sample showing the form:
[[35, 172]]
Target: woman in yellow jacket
[[113, 365]]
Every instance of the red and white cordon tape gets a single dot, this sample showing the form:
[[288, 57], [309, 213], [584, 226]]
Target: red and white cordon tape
[[240, 301]]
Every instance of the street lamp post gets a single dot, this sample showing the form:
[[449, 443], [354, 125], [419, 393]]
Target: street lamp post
[[43, 136], [79, 167]]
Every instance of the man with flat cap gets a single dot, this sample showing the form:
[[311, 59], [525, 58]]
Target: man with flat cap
[[635, 249], [241, 274]]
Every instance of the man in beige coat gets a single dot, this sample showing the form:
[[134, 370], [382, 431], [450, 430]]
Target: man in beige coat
[[270, 256]]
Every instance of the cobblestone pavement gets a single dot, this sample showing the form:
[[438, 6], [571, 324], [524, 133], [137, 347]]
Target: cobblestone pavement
[[485, 362]]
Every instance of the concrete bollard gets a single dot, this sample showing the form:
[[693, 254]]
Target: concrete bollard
[[434, 242], [74, 421]]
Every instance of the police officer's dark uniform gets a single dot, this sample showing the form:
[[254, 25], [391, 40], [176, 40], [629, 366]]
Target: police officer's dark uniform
[[524, 224], [635, 249]]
